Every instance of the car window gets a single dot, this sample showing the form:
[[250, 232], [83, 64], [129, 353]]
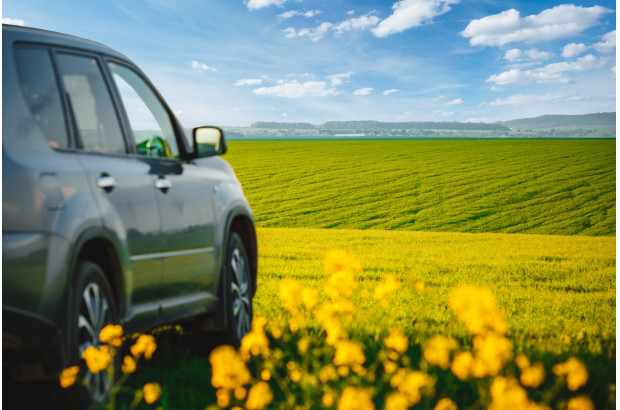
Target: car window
[[38, 85], [150, 122], [90, 104]]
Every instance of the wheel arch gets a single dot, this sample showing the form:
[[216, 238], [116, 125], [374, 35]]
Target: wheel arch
[[243, 225]]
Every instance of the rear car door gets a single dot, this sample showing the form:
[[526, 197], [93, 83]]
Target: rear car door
[[183, 193], [123, 186]]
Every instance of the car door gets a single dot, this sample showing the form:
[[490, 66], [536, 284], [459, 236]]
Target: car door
[[123, 186], [183, 194]]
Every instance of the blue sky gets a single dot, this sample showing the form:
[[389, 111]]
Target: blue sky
[[233, 62]]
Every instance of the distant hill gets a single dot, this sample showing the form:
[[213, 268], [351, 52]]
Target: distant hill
[[377, 125], [557, 121]]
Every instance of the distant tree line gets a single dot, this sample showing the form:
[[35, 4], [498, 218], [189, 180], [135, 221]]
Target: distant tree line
[[376, 125]]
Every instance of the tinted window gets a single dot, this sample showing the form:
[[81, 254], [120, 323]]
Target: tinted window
[[90, 104], [38, 85], [150, 122]]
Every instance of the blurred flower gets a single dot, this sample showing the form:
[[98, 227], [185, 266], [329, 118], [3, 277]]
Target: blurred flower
[[310, 298], [385, 289], [296, 376], [355, 399], [337, 260], [349, 353], [112, 334], [437, 350], [397, 341], [255, 342], [522, 361], [240, 392], [327, 400], [151, 391], [477, 309], [580, 403], [575, 372], [265, 374], [340, 284], [259, 397], [445, 404], [290, 292], [492, 351], [507, 394], [223, 397], [396, 401], [389, 367], [97, 359], [229, 371], [533, 376], [129, 365], [303, 344], [461, 365], [420, 285], [68, 376], [144, 345], [327, 373]]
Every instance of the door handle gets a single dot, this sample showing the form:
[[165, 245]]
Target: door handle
[[106, 182], [163, 184]]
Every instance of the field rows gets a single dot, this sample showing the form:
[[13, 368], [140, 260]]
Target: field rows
[[561, 187]]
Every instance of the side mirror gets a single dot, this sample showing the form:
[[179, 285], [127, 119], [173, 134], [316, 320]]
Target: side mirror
[[208, 141]]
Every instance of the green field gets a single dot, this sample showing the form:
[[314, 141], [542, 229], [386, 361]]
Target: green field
[[559, 187], [531, 220]]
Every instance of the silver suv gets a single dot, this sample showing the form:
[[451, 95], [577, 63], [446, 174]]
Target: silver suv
[[111, 212]]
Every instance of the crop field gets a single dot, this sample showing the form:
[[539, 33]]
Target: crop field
[[426, 274], [559, 187]]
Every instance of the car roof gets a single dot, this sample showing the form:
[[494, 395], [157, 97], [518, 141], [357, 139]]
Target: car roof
[[35, 35]]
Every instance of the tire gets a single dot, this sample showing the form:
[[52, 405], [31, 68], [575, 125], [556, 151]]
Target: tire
[[239, 291], [92, 308]]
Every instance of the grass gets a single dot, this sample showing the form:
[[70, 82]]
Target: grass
[[562, 187]]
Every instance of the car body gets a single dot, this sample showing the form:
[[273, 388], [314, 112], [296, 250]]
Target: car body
[[92, 183]]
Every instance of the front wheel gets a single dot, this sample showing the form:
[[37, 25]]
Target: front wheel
[[239, 288]]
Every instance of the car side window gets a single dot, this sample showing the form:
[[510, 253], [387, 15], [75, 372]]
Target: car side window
[[38, 85], [150, 122], [90, 104]]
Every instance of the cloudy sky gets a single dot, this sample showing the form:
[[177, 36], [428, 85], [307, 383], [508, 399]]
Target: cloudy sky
[[233, 62]]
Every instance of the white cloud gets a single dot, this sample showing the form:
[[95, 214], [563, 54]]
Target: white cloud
[[358, 23], [391, 91], [562, 21], [202, 66], [411, 13], [351, 12], [295, 89], [314, 34], [608, 45], [15, 22], [455, 102], [293, 13], [552, 73], [363, 91], [536, 99], [249, 81], [337, 79], [259, 4], [517, 55], [573, 50]]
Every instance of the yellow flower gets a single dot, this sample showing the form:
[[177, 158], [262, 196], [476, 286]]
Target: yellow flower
[[389, 366], [522, 361], [310, 298], [396, 401], [229, 370], [129, 365], [303, 344], [397, 341], [385, 289], [327, 400], [580, 403], [575, 371], [507, 393], [296, 376], [533, 376], [327, 373], [68, 376], [492, 351], [223, 397], [97, 359], [445, 404], [240, 392], [355, 399], [255, 342], [265, 374], [341, 283], [259, 397], [349, 353], [151, 391], [340, 260], [437, 350], [144, 345], [290, 292], [411, 384], [477, 309], [461, 365], [112, 334], [276, 332]]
